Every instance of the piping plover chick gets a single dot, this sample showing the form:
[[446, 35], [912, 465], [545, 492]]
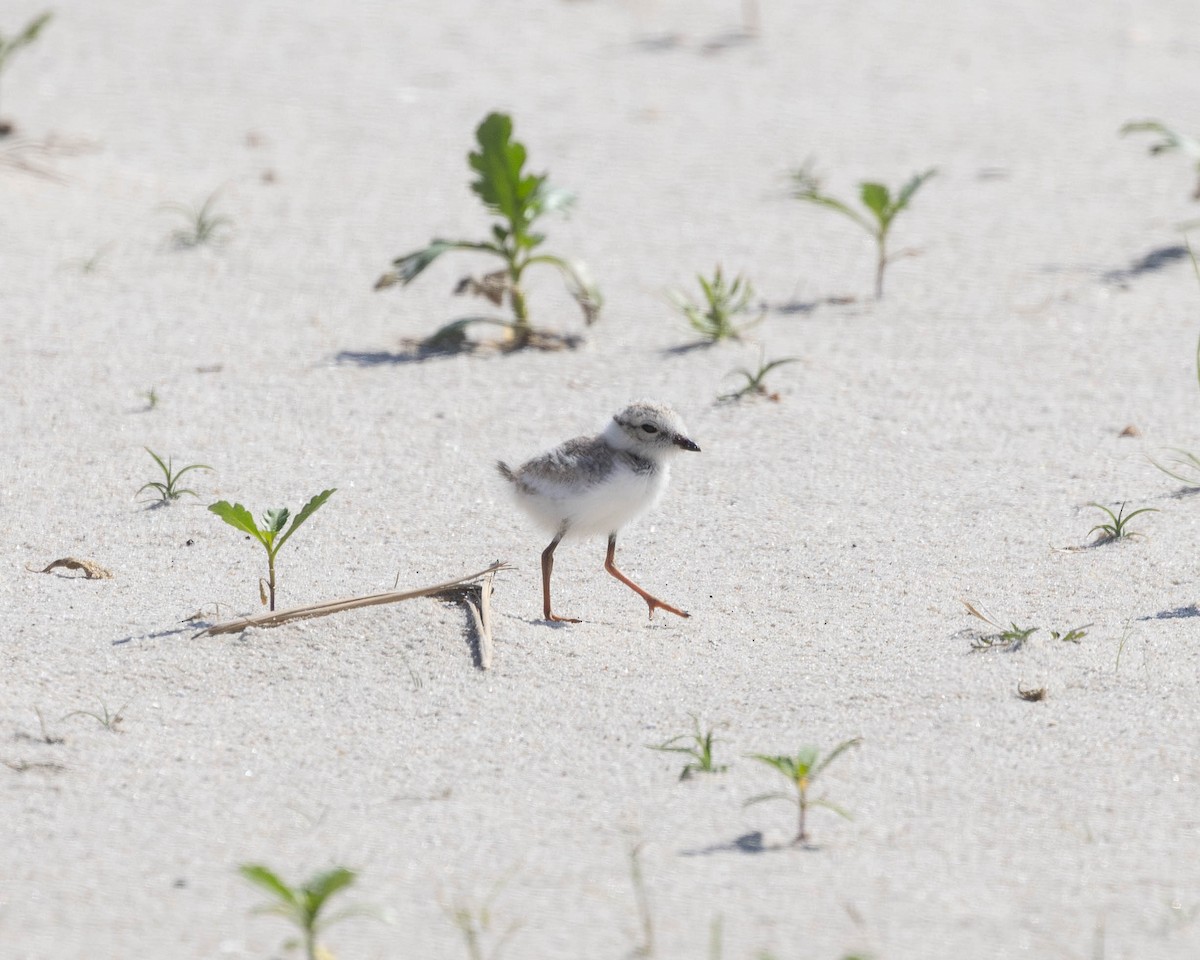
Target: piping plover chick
[[596, 485]]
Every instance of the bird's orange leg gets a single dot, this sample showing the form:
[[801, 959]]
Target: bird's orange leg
[[547, 566], [611, 567]]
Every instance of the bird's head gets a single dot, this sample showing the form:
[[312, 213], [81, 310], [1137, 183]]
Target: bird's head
[[650, 429]]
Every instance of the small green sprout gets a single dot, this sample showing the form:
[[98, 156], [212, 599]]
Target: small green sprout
[[10, 45], [698, 745], [202, 224], [151, 398], [302, 906], [755, 385], [881, 206], [270, 534], [476, 926], [801, 770], [1009, 639], [168, 489], [1073, 635], [1171, 141], [1116, 528], [519, 199], [714, 320], [110, 721]]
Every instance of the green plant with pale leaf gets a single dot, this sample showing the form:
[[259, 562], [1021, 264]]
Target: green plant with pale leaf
[[1117, 527], [9, 45], [1170, 141], [881, 210], [698, 745], [518, 199], [168, 488], [801, 770], [755, 385], [110, 720], [200, 223], [716, 319], [271, 534], [304, 906]]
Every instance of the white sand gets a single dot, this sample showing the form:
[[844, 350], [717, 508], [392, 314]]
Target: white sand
[[938, 445]]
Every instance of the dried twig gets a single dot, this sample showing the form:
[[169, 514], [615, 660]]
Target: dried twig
[[278, 617], [91, 569]]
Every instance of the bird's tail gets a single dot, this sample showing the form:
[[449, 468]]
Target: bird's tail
[[506, 471]]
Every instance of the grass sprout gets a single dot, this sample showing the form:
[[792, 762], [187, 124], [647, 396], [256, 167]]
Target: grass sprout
[[271, 535], [110, 721], [716, 318], [1010, 638], [1169, 141], [518, 199], [801, 770], [476, 924], [755, 385], [304, 906], [9, 45], [881, 210], [1118, 523], [201, 223], [168, 488], [698, 745]]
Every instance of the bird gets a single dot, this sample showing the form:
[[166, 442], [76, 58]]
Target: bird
[[598, 484]]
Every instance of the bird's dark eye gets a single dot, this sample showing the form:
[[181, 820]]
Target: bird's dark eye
[[649, 428]]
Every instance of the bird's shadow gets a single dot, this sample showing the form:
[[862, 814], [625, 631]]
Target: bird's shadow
[[750, 843]]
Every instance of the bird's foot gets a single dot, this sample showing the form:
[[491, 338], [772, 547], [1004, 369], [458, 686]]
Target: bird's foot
[[655, 604], [555, 618]]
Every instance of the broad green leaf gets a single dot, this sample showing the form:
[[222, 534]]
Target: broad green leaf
[[833, 204], [267, 879], [309, 509], [275, 520], [502, 185], [875, 197], [840, 811], [321, 887], [238, 516], [913, 185], [760, 798], [835, 753], [407, 268]]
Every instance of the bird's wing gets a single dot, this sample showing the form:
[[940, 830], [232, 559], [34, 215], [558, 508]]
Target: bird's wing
[[568, 468]]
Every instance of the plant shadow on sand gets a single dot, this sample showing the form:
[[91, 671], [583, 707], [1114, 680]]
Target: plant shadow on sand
[[1151, 262], [452, 341], [747, 843], [1179, 613], [803, 307]]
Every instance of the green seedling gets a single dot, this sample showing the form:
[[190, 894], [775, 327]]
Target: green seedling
[[800, 771], [755, 385], [641, 896], [476, 926], [716, 319], [881, 210], [1073, 635], [151, 398], [304, 906], [201, 223], [1170, 141], [698, 745], [10, 45], [109, 721], [168, 488], [518, 199], [1117, 527], [1010, 638], [271, 535]]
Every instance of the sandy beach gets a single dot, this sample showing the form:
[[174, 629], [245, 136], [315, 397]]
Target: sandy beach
[[942, 444]]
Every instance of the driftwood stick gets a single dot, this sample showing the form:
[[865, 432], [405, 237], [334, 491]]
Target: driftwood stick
[[338, 606]]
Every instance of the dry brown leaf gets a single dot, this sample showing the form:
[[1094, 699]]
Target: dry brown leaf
[[91, 569]]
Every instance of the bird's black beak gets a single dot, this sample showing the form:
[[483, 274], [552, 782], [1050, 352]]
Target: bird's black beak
[[685, 444]]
